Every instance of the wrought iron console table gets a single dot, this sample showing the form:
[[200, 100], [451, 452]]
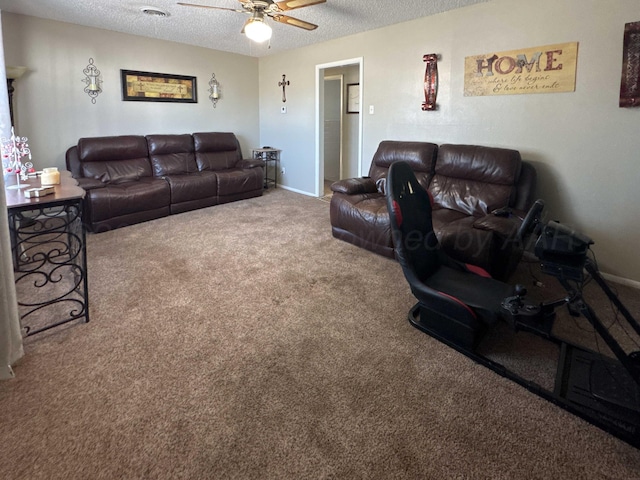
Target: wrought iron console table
[[49, 255], [269, 155]]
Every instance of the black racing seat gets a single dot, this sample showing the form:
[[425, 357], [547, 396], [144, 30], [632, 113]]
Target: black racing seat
[[456, 301]]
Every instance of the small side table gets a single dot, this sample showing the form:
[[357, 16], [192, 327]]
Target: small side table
[[49, 255], [269, 156]]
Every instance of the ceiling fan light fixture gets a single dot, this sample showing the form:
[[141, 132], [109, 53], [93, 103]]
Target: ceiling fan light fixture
[[257, 30]]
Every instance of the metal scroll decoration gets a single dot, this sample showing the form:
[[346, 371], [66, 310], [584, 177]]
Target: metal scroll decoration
[[92, 81], [214, 90], [630, 83], [14, 149], [50, 266], [430, 81]]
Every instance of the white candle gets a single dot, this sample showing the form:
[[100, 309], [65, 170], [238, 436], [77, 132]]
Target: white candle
[[50, 176]]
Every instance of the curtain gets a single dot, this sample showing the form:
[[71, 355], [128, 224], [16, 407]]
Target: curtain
[[10, 336]]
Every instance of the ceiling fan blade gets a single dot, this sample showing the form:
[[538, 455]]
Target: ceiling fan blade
[[294, 22], [208, 6], [291, 4]]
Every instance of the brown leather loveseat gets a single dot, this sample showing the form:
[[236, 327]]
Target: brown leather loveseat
[[467, 183], [132, 178]]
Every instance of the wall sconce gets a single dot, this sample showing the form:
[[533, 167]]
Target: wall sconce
[[92, 80], [214, 90], [430, 81]]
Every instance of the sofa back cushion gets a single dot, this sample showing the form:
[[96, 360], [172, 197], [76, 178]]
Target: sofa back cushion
[[475, 180], [171, 154], [420, 156], [114, 159], [216, 151]]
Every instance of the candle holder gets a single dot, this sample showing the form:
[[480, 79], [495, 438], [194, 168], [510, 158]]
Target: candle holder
[[13, 149], [92, 80], [214, 90]]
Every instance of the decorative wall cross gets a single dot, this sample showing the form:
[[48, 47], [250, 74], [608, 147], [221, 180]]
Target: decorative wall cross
[[283, 84]]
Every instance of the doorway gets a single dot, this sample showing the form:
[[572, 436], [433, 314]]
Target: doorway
[[333, 135], [338, 134]]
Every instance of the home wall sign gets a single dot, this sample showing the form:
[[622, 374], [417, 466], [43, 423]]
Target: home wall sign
[[547, 69], [630, 84], [157, 87]]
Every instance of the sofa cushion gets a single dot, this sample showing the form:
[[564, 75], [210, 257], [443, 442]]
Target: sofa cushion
[[419, 155], [475, 180], [171, 154], [216, 151], [114, 160], [195, 186], [237, 180], [126, 198]]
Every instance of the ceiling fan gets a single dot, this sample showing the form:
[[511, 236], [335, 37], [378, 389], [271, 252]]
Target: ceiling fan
[[256, 27]]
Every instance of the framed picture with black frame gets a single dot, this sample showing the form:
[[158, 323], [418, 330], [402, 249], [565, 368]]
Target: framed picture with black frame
[[157, 87], [353, 98]]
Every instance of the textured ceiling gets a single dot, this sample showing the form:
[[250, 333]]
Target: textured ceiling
[[220, 29]]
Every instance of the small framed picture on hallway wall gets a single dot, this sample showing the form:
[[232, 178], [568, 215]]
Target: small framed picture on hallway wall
[[353, 98]]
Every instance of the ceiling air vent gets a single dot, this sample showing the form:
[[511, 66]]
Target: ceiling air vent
[[155, 12]]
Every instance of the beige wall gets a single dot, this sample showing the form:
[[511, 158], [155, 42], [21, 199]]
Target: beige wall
[[54, 112], [585, 148]]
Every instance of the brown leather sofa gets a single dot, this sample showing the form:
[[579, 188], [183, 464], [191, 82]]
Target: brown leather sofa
[[467, 182], [131, 178]]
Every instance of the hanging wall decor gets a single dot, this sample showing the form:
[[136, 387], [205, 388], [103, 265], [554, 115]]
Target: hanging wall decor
[[214, 90], [92, 81], [283, 84], [157, 87], [353, 98], [548, 69], [630, 83], [430, 81]]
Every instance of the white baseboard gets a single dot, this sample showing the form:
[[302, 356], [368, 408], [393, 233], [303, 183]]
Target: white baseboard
[[621, 280], [308, 194]]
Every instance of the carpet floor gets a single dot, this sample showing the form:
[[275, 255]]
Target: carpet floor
[[244, 341]]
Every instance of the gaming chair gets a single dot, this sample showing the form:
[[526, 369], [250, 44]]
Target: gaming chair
[[456, 301]]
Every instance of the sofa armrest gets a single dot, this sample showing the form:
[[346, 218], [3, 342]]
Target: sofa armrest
[[251, 163], [90, 183], [352, 186], [506, 248]]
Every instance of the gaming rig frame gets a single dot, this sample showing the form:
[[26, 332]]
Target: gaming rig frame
[[602, 390]]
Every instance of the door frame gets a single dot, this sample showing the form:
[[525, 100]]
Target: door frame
[[319, 147]]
